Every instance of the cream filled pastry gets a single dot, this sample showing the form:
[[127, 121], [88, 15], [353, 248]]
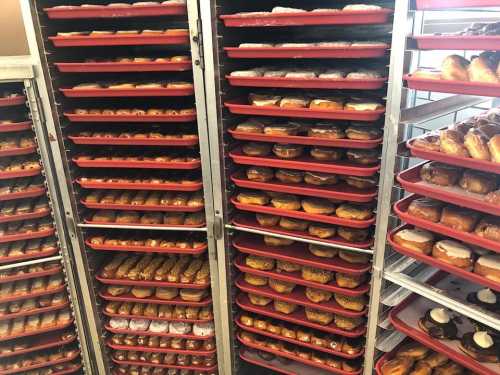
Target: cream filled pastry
[[438, 324], [485, 298], [416, 239], [488, 266], [453, 252], [480, 346]]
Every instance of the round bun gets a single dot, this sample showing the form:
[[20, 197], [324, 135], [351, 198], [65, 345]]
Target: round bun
[[326, 153], [352, 257], [416, 239], [286, 202], [255, 280], [318, 295], [353, 211], [256, 149], [259, 300], [318, 206], [454, 253], [320, 179], [260, 174], [426, 208], [488, 266], [323, 251], [440, 174], [289, 176], [287, 151], [354, 303], [293, 224], [266, 220], [321, 230], [276, 241]]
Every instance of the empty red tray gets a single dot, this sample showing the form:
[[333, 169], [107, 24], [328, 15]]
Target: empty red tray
[[401, 208], [26, 216], [30, 275], [304, 140], [247, 221], [482, 165], [114, 93], [18, 151], [147, 249], [148, 349], [11, 101], [155, 318], [18, 258], [134, 141], [297, 317], [446, 4], [150, 283], [23, 173], [308, 83], [195, 186], [340, 191], [29, 193], [36, 311], [305, 163], [110, 11], [128, 297], [453, 87], [118, 67], [140, 207], [36, 332], [307, 52], [159, 334], [15, 126], [73, 117], [192, 368], [119, 40], [42, 342], [241, 107], [20, 297], [136, 164], [458, 42], [27, 236]]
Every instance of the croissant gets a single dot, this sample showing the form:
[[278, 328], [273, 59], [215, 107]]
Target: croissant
[[454, 68]]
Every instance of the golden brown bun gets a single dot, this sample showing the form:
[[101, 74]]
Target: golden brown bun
[[452, 143], [253, 197], [318, 295], [440, 174], [352, 257], [276, 241], [260, 263], [260, 174], [326, 153], [427, 73], [477, 144], [348, 323], [454, 253], [281, 286], [287, 151], [289, 176], [426, 208], [489, 228], [460, 219], [293, 102], [454, 68], [353, 234], [255, 280], [323, 251], [480, 70], [256, 149], [429, 142], [421, 368], [413, 350], [354, 303], [418, 240], [318, 206], [477, 182], [435, 359], [316, 316], [193, 295], [259, 300], [286, 202], [349, 281], [283, 265], [327, 104], [321, 231], [494, 147], [489, 267], [267, 220], [284, 307], [320, 179], [293, 224], [317, 275], [282, 129], [354, 211]]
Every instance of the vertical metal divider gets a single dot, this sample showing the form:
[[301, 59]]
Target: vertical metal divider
[[88, 311], [389, 151]]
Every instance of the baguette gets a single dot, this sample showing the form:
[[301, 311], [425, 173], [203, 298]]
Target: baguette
[[126, 266], [110, 269], [203, 275], [148, 272], [175, 273], [190, 272], [162, 272], [134, 273]]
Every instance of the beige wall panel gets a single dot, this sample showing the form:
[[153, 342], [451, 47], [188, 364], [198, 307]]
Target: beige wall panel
[[12, 36]]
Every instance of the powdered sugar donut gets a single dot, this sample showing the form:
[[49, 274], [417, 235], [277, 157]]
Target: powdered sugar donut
[[203, 329]]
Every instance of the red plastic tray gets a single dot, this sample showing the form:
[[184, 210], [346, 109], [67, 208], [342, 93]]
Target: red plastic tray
[[296, 278], [461, 42], [31, 275], [482, 165], [241, 107], [21, 297], [446, 4], [139, 363], [176, 301], [155, 318], [340, 191], [28, 173], [411, 182], [43, 342], [160, 350], [118, 67], [142, 207], [429, 259], [29, 215], [147, 249], [149, 333], [34, 311], [18, 151], [296, 253], [27, 236], [298, 297], [130, 118], [106, 11], [15, 127], [37, 332], [446, 347], [31, 193], [40, 254], [298, 317], [307, 52], [453, 87], [247, 221], [119, 40], [401, 207], [40, 365], [303, 215], [139, 186], [151, 283], [132, 141], [305, 163], [308, 83], [88, 221], [16, 100], [136, 164], [296, 342], [295, 357], [113, 93], [303, 140]]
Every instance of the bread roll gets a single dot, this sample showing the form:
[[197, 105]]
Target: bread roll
[[481, 70], [454, 68]]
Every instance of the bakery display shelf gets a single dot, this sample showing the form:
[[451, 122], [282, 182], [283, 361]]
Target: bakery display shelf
[[133, 92], [15, 126], [40, 331], [12, 101], [140, 207], [453, 87], [119, 40], [298, 297], [435, 262], [296, 342], [22, 173], [136, 164], [341, 191], [308, 83], [31, 275], [148, 249], [31, 193], [305, 140], [74, 117], [458, 42], [27, 236], [296, 278], [111, 315], [40, 343], [303, 215], [18, 258], [401, 208], [297, 317], [296, 253], [133, 141], [459, 161], [296, 358], [159, 334], [404, 318], [448, 4], [110, 11], [104, 224], [129, 297], [310, 52], [240, 107], [34, 311], [150, 283], [21, 297], [305, 163], [18, 151], [24, 369], [123, 67], [159, 365], [196, 186], [148, 349], [26, 216]]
